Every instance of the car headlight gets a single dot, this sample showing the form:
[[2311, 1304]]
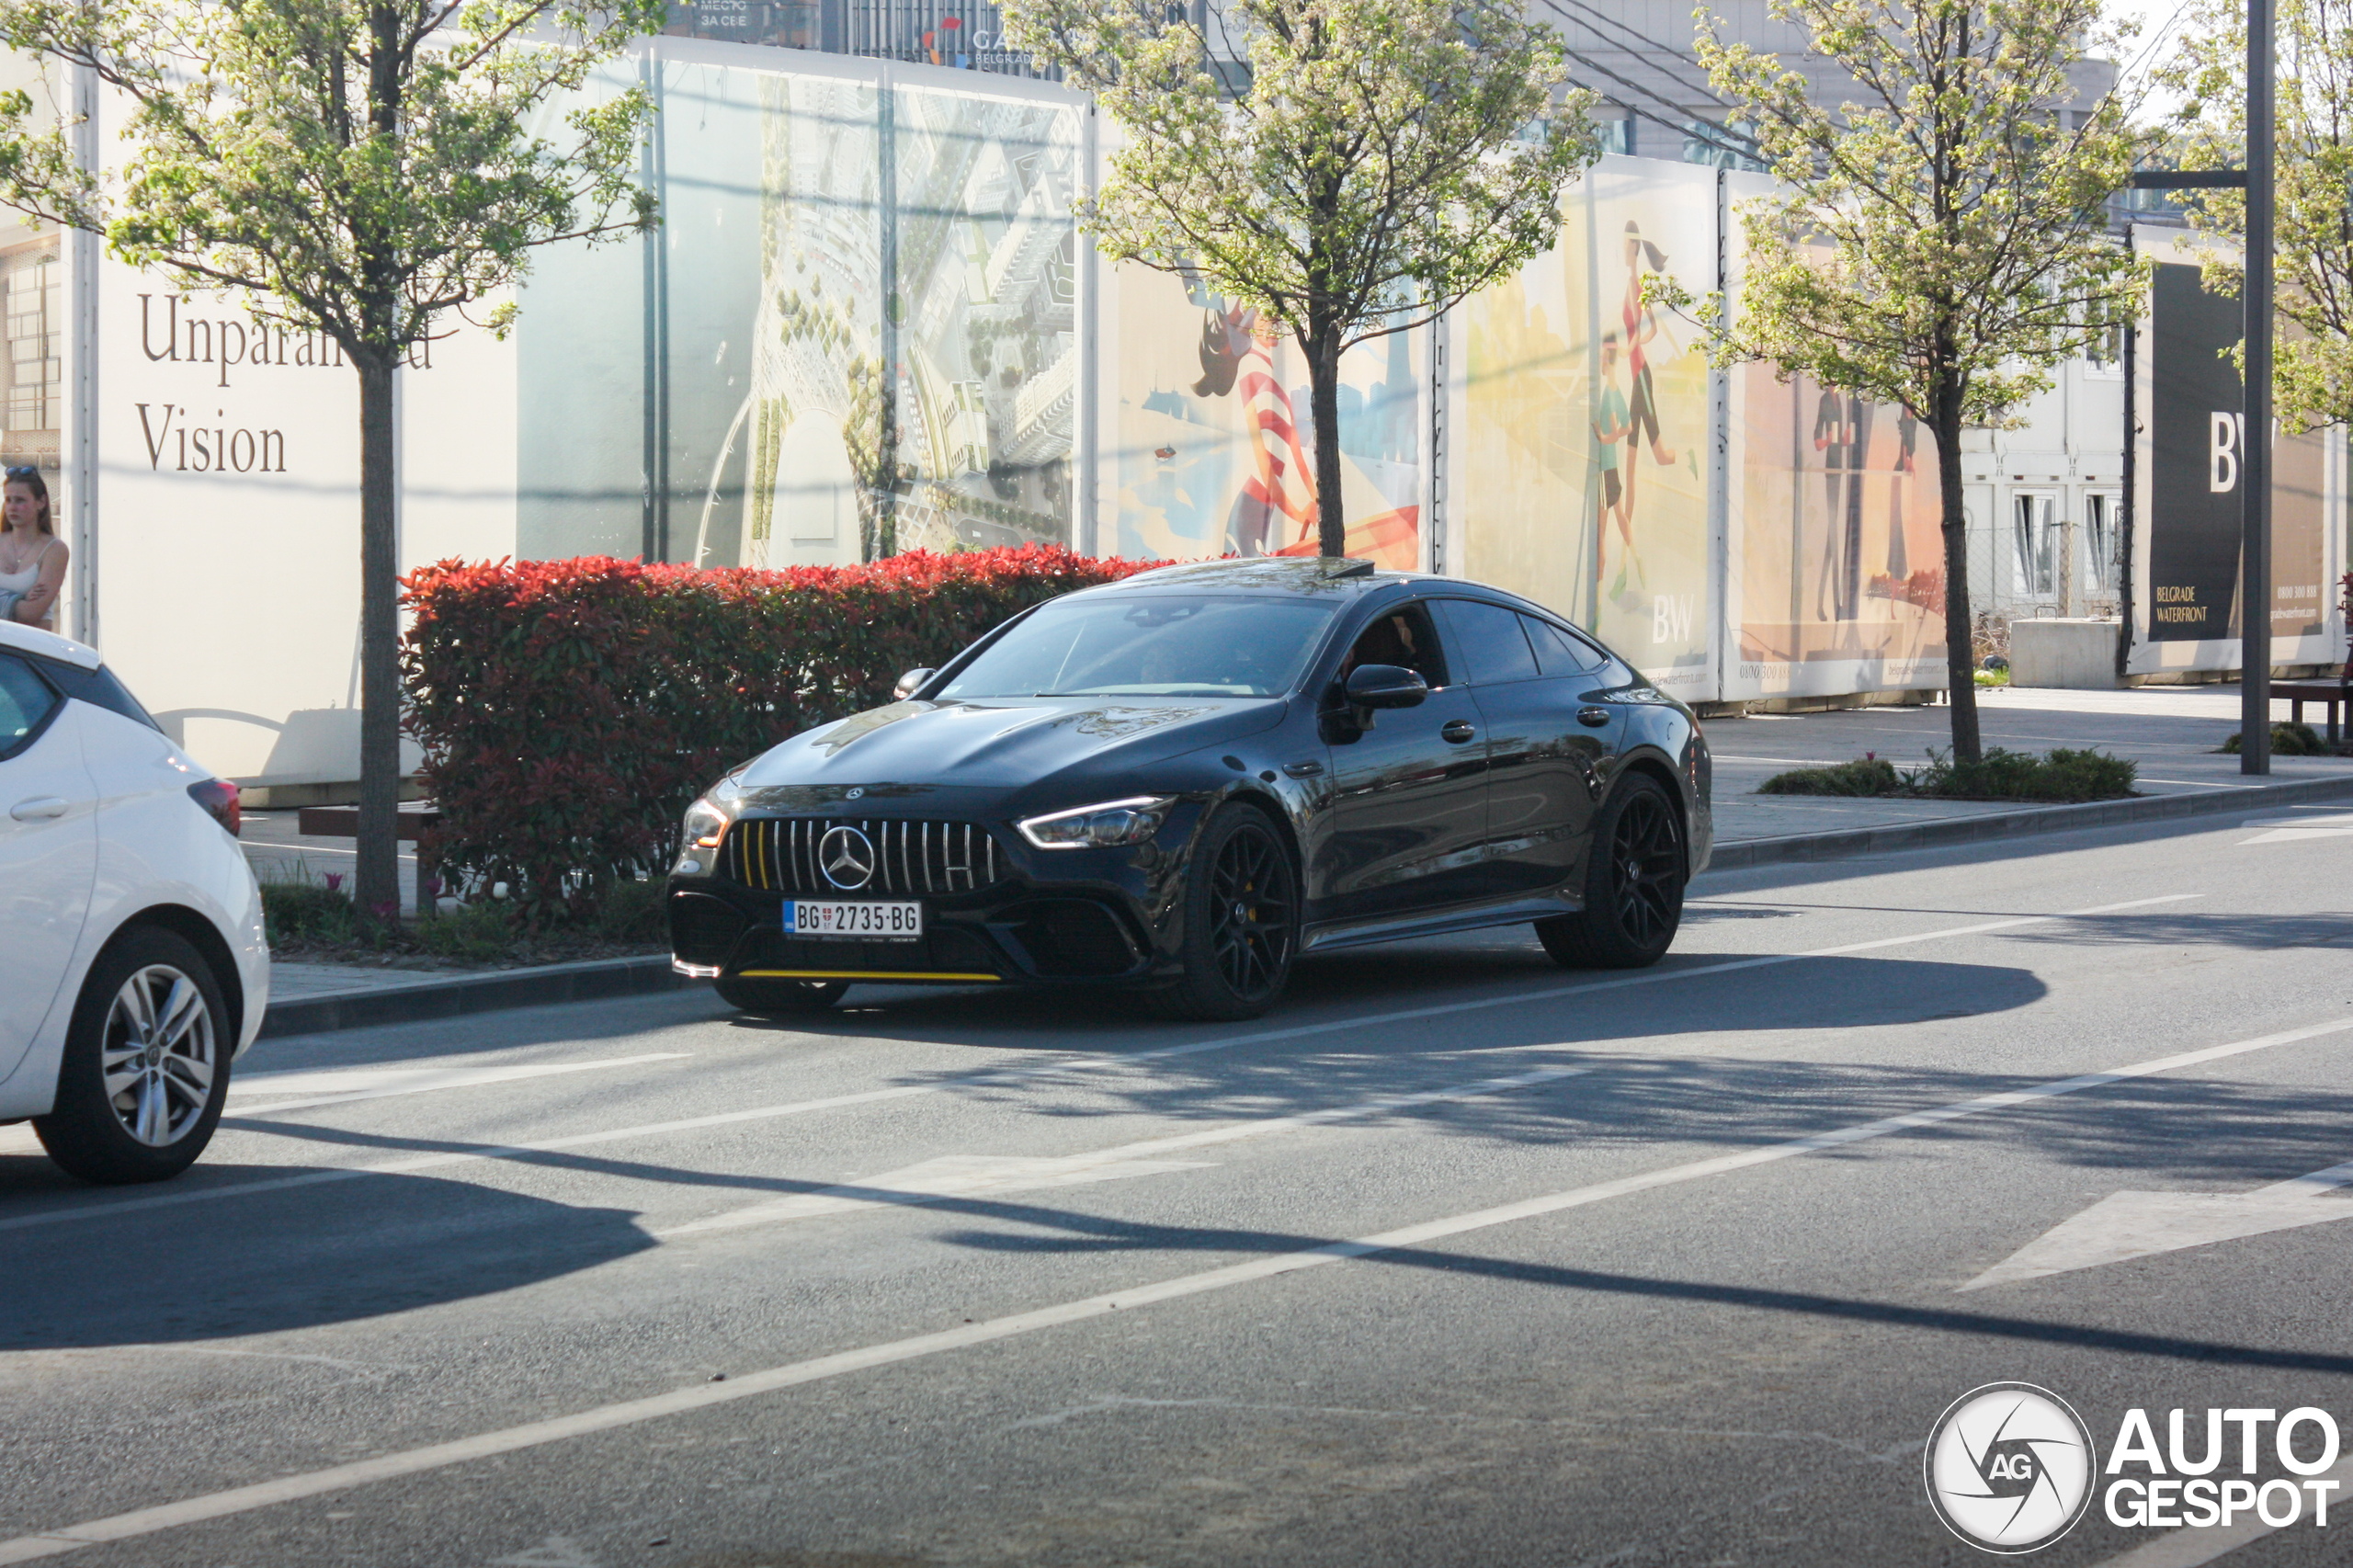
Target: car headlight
[[708, 818], [1105, 826]]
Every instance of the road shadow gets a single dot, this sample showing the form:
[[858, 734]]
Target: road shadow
[[2129, 1131], [1482, 976], [357, 1247]]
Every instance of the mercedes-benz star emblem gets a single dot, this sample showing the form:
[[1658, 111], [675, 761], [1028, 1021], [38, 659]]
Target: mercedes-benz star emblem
[[846, 856]]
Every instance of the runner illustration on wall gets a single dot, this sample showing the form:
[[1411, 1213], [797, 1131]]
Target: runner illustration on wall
[[1277, 506], [1907, 433], [1832, 437], [1641, 326], [1611, 426]]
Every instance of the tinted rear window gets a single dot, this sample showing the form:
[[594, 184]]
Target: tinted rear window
[[1562, 653]]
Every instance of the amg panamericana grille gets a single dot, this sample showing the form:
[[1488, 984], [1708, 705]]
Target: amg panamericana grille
[[783, 855]]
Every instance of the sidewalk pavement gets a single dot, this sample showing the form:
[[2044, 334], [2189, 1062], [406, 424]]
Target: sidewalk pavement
[[2170, 731]]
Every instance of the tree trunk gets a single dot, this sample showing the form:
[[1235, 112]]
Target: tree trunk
[[1324, 401], [1961, 664], [376, 889]]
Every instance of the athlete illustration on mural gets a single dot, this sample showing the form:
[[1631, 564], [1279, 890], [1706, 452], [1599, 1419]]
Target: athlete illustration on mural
[[1840, 430], [1612, 426], [1641, 328], [1277, 506]]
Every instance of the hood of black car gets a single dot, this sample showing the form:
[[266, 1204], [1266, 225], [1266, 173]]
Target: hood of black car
[[1003, 742]]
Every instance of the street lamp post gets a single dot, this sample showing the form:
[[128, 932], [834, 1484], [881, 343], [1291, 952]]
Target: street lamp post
[[2255, 441]]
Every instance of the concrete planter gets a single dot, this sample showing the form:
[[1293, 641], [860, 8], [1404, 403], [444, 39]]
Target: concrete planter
[[2079, 655]]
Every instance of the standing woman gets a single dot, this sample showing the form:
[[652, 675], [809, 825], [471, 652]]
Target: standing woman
[[33, 558]]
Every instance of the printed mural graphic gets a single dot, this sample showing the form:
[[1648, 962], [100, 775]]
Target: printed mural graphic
[[1835, 537], [1215, 451], [1841, 555], [2197, 438], [931, 231], [1581, 462]]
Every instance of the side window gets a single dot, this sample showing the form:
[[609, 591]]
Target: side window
[[25, 702], [98, 687], [1489, 640], [1562, 653], [1403, 637]]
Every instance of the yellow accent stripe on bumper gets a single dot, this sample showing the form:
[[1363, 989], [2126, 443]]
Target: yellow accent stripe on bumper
[[858, 974]]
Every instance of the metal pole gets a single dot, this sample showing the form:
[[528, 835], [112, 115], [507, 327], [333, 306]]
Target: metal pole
[[2255, 440]]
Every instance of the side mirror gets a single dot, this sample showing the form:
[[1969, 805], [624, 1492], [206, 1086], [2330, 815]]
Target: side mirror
[[909, 683], [1385, 686]]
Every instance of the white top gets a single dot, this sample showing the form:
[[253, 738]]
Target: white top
[[22, 582]]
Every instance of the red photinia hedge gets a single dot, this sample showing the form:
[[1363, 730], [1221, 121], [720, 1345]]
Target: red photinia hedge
[[571, 709]]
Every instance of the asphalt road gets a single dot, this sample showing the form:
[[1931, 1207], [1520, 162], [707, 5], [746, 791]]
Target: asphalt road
[[1660, 1268]]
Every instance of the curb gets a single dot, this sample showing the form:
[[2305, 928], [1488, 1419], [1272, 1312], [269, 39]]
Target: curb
[[582, 982], [594, 978], [2235, 800]]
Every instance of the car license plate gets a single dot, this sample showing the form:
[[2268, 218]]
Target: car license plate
[[863, 918]]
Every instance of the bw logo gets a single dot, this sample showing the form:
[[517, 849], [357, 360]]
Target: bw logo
[[2009, 1468]]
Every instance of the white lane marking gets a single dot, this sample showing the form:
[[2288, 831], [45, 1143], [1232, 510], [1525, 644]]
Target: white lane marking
[[792, 1374], [934, 1181], [2126, 1225], [102, 1209], [957, 1175], [2190, 1548], [2297, 830], [339, 1085]]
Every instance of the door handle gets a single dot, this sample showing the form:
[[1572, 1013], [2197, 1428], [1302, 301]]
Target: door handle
[[1458, 731], [1302, 769], [1593, 718], [36, 808]]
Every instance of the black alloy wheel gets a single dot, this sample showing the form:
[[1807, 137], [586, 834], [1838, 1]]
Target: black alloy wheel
[[779, 998], [1633, 892], [1240, 920]]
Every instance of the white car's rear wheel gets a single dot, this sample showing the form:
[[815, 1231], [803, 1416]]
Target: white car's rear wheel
[[146, 1064]]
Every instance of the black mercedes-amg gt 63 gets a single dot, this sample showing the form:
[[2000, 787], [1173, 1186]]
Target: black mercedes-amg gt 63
[[1182, 781]]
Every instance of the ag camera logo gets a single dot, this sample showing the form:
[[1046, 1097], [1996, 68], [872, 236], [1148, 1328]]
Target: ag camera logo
[[2009, 1468]]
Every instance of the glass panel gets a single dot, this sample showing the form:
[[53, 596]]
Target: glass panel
[[1558, 653], [1404, 638], [24, 702], [1151, 645], [1488, 637]]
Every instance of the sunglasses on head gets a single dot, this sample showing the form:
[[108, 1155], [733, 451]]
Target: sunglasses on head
[[23, 470]]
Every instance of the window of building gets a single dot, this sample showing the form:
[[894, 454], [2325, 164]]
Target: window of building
[[2102, 540], [2035, 523], [32, 317]]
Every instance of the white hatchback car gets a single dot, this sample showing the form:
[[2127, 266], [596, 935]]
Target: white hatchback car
[[132, 964]]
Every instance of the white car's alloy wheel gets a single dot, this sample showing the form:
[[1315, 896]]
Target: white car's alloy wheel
[[158, 1054]]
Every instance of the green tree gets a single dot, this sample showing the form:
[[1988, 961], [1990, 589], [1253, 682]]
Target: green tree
[[1939, 237], [2312, 361], [1384, 159], [360, 168]]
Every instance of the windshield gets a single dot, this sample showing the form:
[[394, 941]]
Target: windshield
[[1164, 645]]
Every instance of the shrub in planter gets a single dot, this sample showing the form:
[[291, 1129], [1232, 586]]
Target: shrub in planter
[[569, 711]]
